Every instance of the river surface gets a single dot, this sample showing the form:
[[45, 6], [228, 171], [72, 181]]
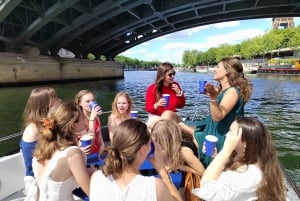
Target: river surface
[[275, 101]]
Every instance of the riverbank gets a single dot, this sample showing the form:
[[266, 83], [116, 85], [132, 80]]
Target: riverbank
[[21, 69]]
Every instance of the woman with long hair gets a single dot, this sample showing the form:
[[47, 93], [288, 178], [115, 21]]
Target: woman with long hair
[[120, 178], [247, 168], [60, 163], [156, 105], [92, 121], [39, 102], [227, 102], [121, 108]]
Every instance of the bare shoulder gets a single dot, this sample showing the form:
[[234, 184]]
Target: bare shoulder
[[30, 133]]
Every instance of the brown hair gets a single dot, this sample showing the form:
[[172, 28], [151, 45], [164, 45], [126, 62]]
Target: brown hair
[[129, 136], [260, 149], [168, 135], [114, 107], [38, 105], [236, 77], [161, 71], [57, 132], [77, 99]]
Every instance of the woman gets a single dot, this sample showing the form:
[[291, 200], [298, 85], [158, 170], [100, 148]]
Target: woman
[[92, 122], [121, 108], [40, 101], [226, 103], [178, 148], [164, 84], [246, 167], [120, 179], [60, 163]]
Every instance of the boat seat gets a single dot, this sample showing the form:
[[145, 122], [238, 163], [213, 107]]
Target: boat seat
[[147, 169]]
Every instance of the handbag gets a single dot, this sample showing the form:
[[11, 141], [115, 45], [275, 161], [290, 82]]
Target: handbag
[[191, 181]]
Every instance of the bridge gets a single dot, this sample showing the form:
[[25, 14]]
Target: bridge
[[109, 27]]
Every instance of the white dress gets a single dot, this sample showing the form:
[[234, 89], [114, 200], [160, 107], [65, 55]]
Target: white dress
[[240, 185], [50, 190], [141, 188]]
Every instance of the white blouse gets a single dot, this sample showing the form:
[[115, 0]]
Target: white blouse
[[238, 185]]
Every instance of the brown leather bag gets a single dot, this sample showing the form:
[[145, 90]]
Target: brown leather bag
[[191, 181]]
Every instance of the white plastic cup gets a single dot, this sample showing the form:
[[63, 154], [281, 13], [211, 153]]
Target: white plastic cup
[[86, 140], [134, 114], [167, 99], [210, 144]]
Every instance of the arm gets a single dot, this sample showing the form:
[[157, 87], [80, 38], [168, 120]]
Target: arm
[[179, 94], [191, 160], [215, 168], [77, 166], [150, 99], [229, 100]]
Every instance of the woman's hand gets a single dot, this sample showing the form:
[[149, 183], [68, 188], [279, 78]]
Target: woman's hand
[[176, 88], [233, 138], [212, 91]]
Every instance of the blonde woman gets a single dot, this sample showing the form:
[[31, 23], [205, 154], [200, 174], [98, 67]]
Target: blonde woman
[[179, 151], [121, 108], [92, 121]]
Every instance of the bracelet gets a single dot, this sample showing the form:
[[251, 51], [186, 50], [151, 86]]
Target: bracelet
[[92, 120], [155, 106], [213, 100]]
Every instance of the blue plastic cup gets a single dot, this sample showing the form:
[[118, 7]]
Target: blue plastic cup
[[210, 144], [134, 114], [94, 104], [167, 98], [202, 84], [151, 153], [86, 140]]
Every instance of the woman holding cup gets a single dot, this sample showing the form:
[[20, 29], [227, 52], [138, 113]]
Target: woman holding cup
[[246, 167], [227, 101], [91, 109], [164, 96]]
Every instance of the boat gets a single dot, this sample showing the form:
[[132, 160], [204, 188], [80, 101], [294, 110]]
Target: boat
[[250, 70], [280, 69], [13, 171]]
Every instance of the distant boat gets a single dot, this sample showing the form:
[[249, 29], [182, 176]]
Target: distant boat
[[279, 69], [250, 70]]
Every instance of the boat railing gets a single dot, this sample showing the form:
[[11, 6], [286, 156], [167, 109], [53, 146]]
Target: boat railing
[[10, 136]]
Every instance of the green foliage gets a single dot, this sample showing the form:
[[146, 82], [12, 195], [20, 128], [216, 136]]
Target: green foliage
[[248, 49]]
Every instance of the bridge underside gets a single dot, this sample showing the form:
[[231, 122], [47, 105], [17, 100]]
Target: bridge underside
[[109, 27]]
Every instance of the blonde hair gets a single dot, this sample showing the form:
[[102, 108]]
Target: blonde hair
[[114, 106], [57, 131], [168, 135]]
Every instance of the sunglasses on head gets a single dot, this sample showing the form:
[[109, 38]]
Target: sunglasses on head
[[171, 74]]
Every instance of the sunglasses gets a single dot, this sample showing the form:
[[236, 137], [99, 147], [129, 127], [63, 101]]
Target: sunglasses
[[171, 74]]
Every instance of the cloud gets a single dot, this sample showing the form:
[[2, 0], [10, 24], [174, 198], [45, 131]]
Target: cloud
[[226, 24]]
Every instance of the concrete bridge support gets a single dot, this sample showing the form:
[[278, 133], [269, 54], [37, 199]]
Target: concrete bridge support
[[21, 69]]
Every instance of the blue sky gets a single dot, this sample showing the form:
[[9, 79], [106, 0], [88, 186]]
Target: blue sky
[[171, 47]]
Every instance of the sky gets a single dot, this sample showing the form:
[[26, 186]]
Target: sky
[[171, 47]]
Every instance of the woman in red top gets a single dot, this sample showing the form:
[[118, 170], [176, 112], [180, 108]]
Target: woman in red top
[[92, 121], [164, 84]]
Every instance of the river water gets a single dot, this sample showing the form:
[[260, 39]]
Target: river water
[[275, 101]]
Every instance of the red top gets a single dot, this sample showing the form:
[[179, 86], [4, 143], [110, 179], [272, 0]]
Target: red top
[[174, 102], [96, 145]]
